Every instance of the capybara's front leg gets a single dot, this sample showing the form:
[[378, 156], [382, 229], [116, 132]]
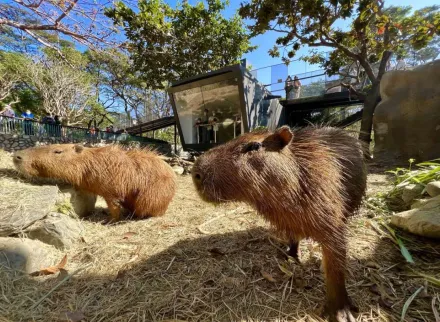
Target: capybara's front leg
[[114, 209], [338, 307]]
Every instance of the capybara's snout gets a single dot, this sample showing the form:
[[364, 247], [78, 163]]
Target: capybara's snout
[[18, 157]]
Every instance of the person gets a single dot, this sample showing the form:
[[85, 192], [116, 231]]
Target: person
[[205, 129], [213, 127], [401, 65], [48, 124], [10, 115], [27, 123], [289, 88], [296, 87], [198, 130], [57, 126]]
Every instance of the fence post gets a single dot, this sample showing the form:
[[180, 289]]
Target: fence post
[[175, 138]]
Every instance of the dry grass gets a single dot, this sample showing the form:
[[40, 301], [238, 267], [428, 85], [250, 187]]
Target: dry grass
[[205, 263]]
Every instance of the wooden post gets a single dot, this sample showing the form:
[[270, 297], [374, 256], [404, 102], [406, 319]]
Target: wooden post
[[175, 138], [153, 134]]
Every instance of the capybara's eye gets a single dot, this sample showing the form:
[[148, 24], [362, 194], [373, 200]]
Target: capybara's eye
[[58, 151], [253, 146]]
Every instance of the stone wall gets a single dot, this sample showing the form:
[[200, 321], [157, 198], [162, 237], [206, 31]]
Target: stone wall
[[15, 142], [407, 120]]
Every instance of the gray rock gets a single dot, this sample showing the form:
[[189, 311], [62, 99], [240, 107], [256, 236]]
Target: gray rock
[[433, 188], [83, 203], [423, 220], [57, 230], [26, 204], [26, 255], [411, 192], [178, 170]]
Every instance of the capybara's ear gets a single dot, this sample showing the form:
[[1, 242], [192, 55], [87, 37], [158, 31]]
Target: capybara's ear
[[283, 136], [79, 148]]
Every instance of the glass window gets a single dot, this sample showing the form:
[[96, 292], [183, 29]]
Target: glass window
[[209, 113]]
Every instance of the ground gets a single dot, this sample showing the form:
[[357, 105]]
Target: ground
[[202, 262]]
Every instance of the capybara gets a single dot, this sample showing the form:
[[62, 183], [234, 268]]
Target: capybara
[[306, 182], [137, 180]]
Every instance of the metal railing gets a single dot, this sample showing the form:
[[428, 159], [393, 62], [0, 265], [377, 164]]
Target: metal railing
[[20, 126]]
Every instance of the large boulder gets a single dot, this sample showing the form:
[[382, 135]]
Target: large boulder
[[407, 120], [23, 204], [422, 220], [56, 229], [26, 255]]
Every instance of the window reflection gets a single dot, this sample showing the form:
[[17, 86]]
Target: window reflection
[[210, 113]]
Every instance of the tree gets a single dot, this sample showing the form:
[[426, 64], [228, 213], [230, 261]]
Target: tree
[[10, 68], [364, 48], [47, 22], [119, 84], [65, 91], [168, 44]]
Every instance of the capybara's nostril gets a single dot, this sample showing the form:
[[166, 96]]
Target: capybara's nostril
[[18, 158], [198, 177]]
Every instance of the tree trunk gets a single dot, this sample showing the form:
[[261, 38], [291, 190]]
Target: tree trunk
[[370, 103]]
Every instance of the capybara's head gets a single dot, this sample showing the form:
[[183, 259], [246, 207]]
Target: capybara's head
[[50, 161], [244, 168]]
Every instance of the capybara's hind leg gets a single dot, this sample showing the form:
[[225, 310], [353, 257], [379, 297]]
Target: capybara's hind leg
[[294, 250], [338, 306], [114, 209]]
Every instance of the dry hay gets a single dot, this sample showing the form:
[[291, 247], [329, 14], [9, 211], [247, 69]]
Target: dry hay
[[205, 263]]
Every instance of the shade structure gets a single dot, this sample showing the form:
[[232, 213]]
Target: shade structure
[[215, 107]]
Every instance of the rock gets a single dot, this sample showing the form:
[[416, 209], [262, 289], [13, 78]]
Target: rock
[[407, 115], [57, 230], [26, 204], [411, 192], [433, 188], [423, 221], [178, 170], [26, 255]]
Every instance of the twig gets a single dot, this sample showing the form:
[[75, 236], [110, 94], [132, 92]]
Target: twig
[[65, 279], [207, 222]]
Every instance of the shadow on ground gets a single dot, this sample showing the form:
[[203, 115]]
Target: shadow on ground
[[226, 277]]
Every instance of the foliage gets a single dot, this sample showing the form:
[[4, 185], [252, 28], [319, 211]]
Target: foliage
[[48, 23], [362, 50], [424, 173], [167, 44], [11, 66]]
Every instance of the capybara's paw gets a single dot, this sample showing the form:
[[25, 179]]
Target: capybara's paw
[[341, 315]]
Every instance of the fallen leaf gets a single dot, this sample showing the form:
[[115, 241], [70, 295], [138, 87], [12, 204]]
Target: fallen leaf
[[75, 316], [63, 273], [216, 251], [285, 270], [385, 303], [129, 234], [371, 264], [267, 276], [51, 269]]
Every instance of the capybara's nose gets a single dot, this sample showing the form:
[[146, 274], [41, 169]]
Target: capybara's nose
[[17, 158], [197, 177]]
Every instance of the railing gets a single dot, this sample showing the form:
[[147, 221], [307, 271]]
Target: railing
[[11, 125]]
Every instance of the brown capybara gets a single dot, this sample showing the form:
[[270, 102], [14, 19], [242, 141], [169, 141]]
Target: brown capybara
[[306, 182], [137, 180]]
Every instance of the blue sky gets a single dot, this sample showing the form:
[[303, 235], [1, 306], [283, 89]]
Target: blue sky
[[260, 58]]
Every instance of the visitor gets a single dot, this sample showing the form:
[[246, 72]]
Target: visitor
[[198, 130], [289, 88], [57, 126], [27, 123], [205, 127], [296, 87], [48, 122], [401, 64], [213, 128], [8, 121]]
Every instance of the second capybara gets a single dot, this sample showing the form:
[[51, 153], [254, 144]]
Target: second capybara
[[136, 180], [306, 182]]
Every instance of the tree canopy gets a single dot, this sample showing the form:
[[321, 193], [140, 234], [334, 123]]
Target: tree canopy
[[363, 48], [168, 43]]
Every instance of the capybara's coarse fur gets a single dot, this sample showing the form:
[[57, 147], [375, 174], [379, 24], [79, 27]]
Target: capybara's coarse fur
[[306, 182], [137, 180]]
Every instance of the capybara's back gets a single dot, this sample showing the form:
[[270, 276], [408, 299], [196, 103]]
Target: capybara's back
[[138, 180], [306, 182]]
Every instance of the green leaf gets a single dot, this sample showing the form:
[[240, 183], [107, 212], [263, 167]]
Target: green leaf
[[405, 251], [408, 303]]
